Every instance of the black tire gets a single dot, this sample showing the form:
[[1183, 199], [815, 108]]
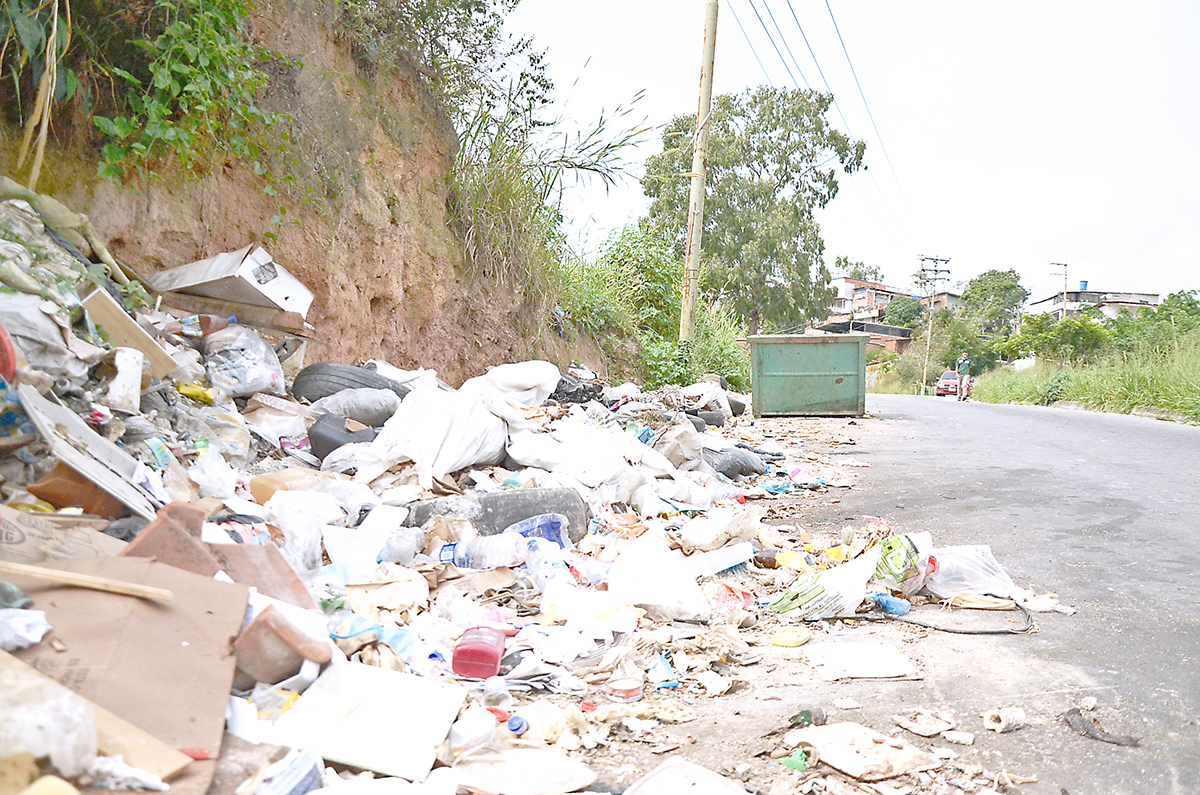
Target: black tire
[[328, 378]]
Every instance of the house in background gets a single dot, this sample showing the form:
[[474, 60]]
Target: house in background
[[943, 300], [1068, 303], [861, 307], [861, 300]]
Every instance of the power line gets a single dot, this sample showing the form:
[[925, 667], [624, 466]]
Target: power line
[[800, 28], [786, 46], [750, 44], [864, 97], [771, 39]]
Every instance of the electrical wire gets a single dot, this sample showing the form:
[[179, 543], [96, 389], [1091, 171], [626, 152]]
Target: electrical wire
[[771, 39], [783, 39], [864, 96], [1028, 629], [818, 65], [750, 44]]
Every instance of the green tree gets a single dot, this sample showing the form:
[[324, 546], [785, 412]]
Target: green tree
[[1072, 340], [773, 158], [858, 270], [904, 311], [993, 301]]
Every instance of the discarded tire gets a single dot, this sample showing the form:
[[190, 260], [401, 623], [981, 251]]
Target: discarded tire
[[328, 378]]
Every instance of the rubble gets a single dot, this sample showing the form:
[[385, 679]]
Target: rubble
[[312, 562]]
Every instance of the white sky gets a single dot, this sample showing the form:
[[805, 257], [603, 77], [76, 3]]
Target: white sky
[[1020, 134]]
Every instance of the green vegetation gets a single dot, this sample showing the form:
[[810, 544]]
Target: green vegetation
[[905, 311], [631, 290], [1150, 360], [772, 162], [858, 270]]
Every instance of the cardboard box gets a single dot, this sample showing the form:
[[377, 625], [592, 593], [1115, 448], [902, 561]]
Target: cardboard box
[[248, 275]]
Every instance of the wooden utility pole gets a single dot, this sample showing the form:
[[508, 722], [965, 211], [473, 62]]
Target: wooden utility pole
[[931, 276], [691, 265]]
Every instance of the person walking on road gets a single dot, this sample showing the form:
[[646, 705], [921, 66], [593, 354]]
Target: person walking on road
[[963, 368]]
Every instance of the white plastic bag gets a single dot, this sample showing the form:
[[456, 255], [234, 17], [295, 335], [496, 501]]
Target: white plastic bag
[[969, 569], [22, 628]]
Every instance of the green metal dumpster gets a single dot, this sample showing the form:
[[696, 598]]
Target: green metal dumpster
[[809, 375]]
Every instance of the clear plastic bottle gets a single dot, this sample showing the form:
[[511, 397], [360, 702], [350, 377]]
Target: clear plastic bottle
[[486, 552]]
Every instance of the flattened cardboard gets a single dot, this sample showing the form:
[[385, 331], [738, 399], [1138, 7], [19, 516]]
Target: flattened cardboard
[[103, 463], [117, 736], [372, 718], [248, 275], [164, 667], [27, 538]]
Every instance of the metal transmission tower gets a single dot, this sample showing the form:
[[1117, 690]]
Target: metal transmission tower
[[931, 274]]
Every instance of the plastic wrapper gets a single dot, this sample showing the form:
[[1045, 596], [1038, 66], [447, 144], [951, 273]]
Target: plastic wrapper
[[828, 594], [904, 561], [721, 526], [213, 476], [240, 362]]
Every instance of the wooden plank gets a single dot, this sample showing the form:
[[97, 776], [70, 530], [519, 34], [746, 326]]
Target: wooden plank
[[118, 736], [123, 331], [259, 317]]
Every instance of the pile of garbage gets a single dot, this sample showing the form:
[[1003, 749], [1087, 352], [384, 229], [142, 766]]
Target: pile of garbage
[[461, 588]]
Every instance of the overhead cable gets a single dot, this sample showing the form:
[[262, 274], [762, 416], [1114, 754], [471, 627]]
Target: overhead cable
[[870, 116]]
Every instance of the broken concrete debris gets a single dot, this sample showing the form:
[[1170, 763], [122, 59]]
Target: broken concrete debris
[[511, 576]]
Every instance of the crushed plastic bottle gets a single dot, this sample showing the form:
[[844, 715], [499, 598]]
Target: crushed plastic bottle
[[486, 552]]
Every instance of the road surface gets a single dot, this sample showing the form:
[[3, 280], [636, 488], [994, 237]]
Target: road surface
[[1103, 510]]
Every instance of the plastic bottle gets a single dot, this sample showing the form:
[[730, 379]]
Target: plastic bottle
[[474, 727], [198, 325], [550, 526], [545, 564], [486, 552], [477, 654]]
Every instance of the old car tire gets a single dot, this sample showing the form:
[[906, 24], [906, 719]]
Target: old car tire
[[328, 378]]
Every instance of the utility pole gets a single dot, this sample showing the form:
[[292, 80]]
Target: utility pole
[[691, 265], [930, 275], [1062, 265]]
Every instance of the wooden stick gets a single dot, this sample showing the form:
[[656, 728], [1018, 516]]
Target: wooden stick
[[87, 581]]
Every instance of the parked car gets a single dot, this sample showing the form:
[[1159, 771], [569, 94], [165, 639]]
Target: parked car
[[948, 384]]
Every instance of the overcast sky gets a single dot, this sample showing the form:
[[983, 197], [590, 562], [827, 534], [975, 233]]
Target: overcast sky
[[1016, 134]]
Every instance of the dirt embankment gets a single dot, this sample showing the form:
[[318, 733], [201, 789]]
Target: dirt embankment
[[364, 181]]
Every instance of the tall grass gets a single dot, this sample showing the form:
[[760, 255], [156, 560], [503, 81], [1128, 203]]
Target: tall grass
[[1164, 378]]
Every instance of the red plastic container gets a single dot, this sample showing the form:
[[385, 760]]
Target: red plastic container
[[478, 653]]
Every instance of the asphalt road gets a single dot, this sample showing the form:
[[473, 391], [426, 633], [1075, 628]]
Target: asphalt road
[[1103, 510]]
